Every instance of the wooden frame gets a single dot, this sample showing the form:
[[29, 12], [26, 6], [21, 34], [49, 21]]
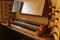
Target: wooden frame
[[43, 10], [33, 7]]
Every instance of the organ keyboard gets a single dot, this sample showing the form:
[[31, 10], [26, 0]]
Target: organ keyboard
[[28, 28]]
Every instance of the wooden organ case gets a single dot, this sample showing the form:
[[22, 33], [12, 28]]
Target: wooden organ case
[[30, 28]]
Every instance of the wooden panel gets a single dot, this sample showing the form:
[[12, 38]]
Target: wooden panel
[[38, 19], [33, 7]]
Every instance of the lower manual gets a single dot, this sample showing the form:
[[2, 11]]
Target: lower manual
[[24, 26]]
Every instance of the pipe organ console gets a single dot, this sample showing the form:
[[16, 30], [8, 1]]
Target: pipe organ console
[[32, 29]]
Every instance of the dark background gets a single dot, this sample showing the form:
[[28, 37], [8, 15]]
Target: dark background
[[8, 34]]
